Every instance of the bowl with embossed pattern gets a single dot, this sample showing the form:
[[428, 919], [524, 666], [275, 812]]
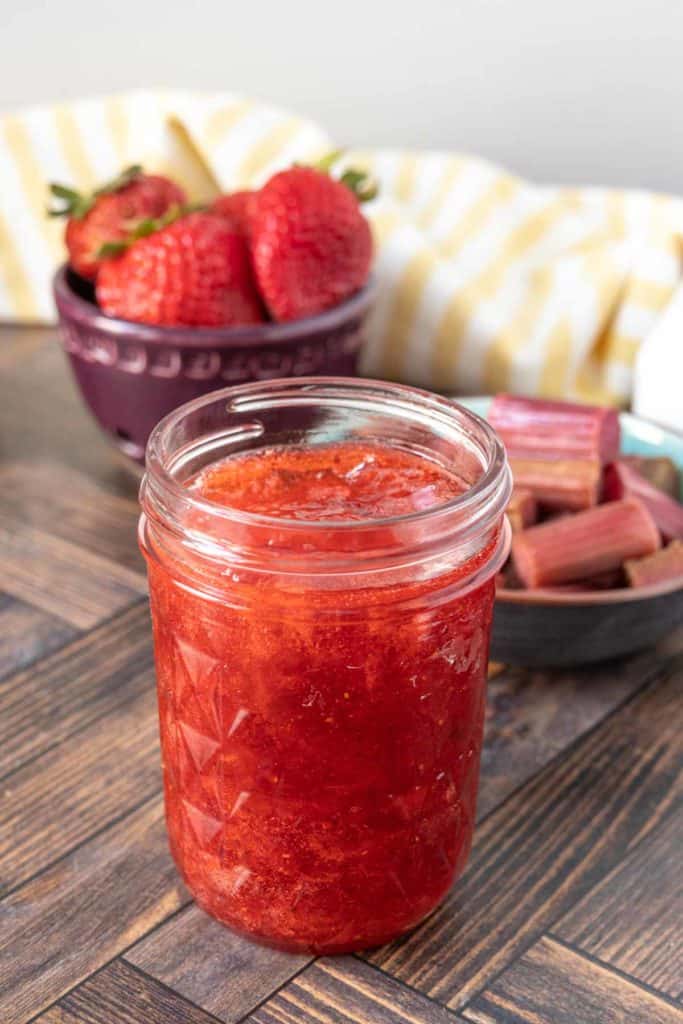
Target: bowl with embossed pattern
[[131, 375]]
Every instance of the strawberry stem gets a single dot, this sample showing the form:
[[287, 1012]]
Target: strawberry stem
[[360, 182], [77, 204], [120, 181], [327, 162], [144, 228]]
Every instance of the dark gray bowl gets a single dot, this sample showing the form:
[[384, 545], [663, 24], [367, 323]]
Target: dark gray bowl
[[131, 375], [541, 629]]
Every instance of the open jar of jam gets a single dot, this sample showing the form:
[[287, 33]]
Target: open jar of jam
[[321, 558]]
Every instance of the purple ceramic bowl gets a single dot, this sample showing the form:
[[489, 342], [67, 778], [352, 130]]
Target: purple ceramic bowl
[[131, 375]]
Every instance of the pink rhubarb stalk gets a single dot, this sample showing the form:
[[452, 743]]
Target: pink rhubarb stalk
[[663, 565], [563, 485], [622, 481], [556, 449], [522, 510], [534, 428], [578, 547], [660, 471]]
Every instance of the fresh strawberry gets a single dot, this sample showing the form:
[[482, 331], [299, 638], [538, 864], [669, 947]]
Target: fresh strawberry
[[111, 213], [235, 207], [310, 244], [195, 271]]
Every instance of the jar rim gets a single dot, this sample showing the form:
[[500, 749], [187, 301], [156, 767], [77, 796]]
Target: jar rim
[[491, 485]]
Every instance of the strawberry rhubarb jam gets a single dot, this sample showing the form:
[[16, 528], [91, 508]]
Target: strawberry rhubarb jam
[[321, 560]]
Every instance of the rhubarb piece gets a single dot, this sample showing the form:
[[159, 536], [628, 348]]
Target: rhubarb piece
[[663, 565], [556, 449], [563, 485], [661, 472], [612, 580], [522, 510], [587, 544], [533, 428], [621, 481]]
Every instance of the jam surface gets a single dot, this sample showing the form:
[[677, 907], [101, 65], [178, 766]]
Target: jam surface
[[321, 758], [346, 482]]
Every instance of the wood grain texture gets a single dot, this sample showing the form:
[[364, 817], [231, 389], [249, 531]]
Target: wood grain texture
[[581, 799], [57, 800], [532, 715], [54, 498], [554, 985], [119, 994], [230, 982], [83, 911], [343, 990], [62, 578], [550, 843], [27, 634], [42, 414], [633, 920], [65, 691]]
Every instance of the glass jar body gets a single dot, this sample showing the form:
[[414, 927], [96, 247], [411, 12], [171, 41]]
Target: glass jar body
[[320, 769], [321, 719]]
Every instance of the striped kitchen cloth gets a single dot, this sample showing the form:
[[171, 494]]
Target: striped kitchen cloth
[[486, 282]]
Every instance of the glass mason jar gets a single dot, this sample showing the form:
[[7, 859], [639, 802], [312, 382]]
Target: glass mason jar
[[321, 684]]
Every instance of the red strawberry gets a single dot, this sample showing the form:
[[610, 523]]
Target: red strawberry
[[194, 271], [234, 206], [111, 213], [310, 244]]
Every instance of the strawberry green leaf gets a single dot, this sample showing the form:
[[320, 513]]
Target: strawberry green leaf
[[327, 162], [120, 181], [360, 183], [111, 249], [74, 204]]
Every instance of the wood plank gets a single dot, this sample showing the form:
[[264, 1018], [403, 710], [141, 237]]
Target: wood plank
[[633, 918], [343, 990], [27, 634], [62, 578], [119, 994], [42, 414], [18, 344], [229, 982], [54, 498], [85, 910], [555, 985], [532, 715], [74, 789], [549, 844], [65, 691]]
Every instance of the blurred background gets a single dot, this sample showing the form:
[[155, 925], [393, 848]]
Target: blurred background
[[578, 92]]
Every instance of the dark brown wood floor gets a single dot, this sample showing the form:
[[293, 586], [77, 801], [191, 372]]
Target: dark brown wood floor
[[570, 910]]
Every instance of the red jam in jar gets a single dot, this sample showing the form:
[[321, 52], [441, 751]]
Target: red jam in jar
[[321, 561]]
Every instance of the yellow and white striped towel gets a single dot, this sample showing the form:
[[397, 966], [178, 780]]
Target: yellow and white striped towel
[[486, 281]]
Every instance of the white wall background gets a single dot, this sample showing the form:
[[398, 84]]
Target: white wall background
[[561, 90]]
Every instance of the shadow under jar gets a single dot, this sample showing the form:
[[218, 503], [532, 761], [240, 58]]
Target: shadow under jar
[[321, 558]]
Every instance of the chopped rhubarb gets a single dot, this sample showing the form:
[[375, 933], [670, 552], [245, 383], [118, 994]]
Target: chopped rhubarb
[[661, 472], [556, 449], [522, 510], [663, 565], [532, 428], [612, 580], [587, 544], [561, 484], [622, 481]]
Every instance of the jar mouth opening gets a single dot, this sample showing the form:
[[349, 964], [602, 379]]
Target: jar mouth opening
[[167, 459]]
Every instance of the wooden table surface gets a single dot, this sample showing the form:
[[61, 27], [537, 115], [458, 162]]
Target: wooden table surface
[[570, 911]]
